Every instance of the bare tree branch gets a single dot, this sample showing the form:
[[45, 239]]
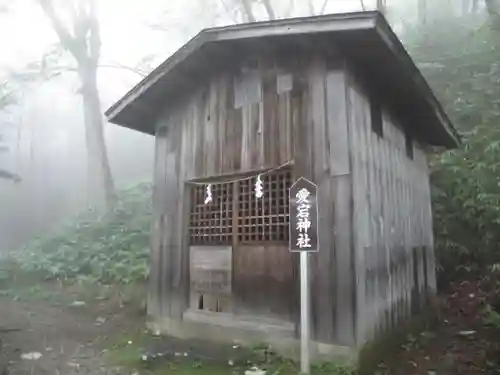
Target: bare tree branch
[[95, 34], [422, 11], [228, 11], [475, 6], [74, 12], [85, 46], [493, 7], [6, 175], [124, 67], [289, 10], [68, 41], [269, 9], [323, 7], [381, 6], [247, 7], [310, 7]]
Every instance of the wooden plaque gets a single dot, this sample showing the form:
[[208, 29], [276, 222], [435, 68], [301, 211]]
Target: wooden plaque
[[211, 269]]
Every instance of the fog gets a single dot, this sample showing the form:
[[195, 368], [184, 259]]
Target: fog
[[73, 289], [44, 129]]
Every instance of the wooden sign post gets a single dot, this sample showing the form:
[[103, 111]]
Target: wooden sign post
[[304, 239]]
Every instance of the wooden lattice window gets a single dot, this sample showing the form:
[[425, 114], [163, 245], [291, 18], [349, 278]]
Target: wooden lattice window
[[264, 219], [211, 224], [237, 215]]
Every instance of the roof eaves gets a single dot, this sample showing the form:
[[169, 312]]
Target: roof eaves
[[304, 25], [184, 52], [392, 41]]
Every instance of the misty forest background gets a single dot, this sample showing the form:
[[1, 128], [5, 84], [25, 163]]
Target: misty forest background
[[75, 191]]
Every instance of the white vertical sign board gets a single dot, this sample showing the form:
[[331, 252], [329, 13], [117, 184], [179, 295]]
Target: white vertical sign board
[[304, 239]]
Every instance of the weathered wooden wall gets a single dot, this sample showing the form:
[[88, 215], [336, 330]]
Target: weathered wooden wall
[[237, 122], [322, 155], [259, 116], [393, 242], [374, 209]]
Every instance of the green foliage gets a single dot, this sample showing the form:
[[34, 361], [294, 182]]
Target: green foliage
[[491, 318], [337, 368], [461, 59], [133, 352], [110, 248]]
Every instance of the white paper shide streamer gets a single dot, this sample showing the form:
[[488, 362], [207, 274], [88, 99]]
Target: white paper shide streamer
[[259, 188], [208, 196]]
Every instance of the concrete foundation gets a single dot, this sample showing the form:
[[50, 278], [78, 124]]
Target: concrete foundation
[[246, 331]]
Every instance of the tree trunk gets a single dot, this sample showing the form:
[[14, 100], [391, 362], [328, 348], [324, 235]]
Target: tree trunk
[[323, 7], [475, 6], [310, 6], [99, 170], [422, 12], [493, 9], [6, 175], [247, 7], [289, 10], [465, 7], [381, 6], [84, 43], [269, 9]]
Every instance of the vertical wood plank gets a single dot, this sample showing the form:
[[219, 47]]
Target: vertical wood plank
[[235, 123], [154, 292], [370, 159], [387, 225], [166, 261], [342, 272], [360, 217], [226, 132], [180, 247], [299, 144], [393, 220], [209, 123], [270, 126], [257, 137], [199, 140], [222, 132], [387, 189], [321, 265], [284, 111], [246, 140]]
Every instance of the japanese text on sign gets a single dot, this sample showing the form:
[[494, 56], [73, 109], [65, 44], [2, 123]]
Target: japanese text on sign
[[303, 218]]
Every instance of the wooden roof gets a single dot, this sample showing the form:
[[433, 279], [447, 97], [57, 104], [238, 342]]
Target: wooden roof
[[365, 38]]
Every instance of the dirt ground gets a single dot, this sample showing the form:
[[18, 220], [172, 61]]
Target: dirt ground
[[462, 343], [59, 336], [60, 332]]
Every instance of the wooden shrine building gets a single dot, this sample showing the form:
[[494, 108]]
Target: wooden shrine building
[[335, 99]]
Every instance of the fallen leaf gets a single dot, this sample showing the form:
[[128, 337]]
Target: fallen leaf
[[466, 333], [33, 356]]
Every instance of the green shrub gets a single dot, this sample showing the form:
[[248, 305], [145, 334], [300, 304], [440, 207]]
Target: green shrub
[[460, 57], [109, 248]]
